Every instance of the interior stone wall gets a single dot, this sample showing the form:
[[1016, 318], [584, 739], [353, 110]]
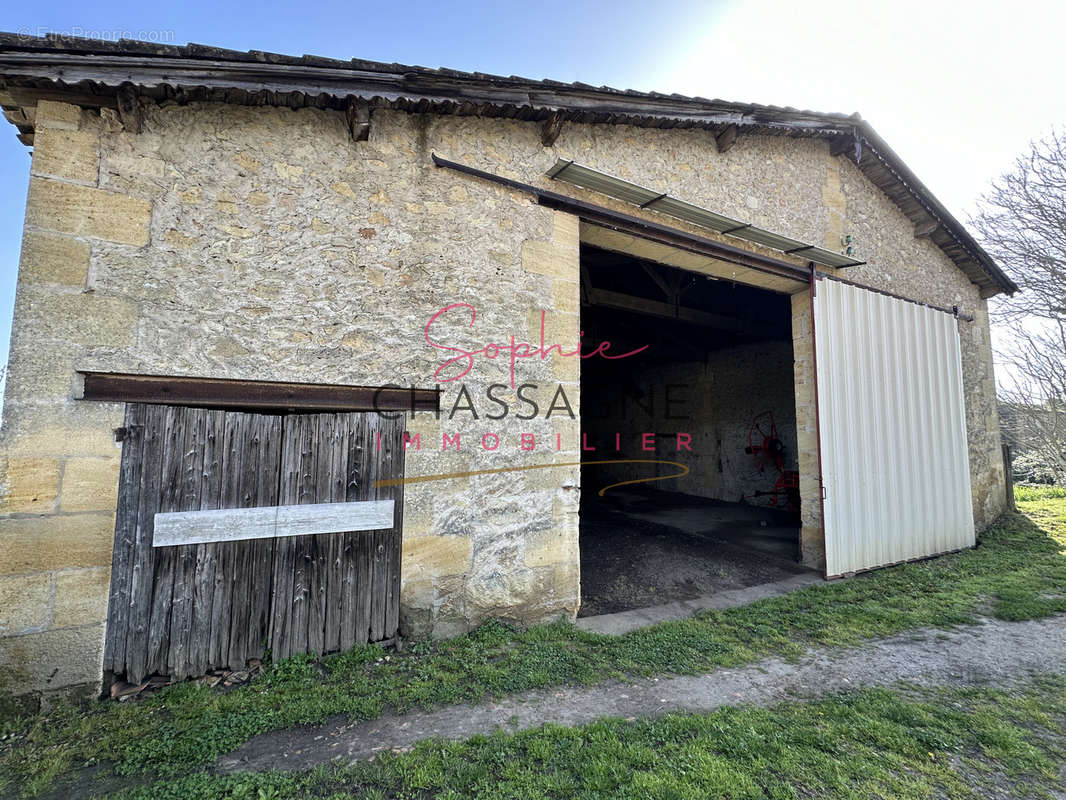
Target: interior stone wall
[[713, 402]]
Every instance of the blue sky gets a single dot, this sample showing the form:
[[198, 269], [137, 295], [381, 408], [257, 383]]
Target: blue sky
[[957, 92]]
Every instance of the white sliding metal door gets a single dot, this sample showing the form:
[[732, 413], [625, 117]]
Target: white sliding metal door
[[892, 429]]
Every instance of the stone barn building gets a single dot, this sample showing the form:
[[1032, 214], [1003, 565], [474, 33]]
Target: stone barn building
[[309, 353]]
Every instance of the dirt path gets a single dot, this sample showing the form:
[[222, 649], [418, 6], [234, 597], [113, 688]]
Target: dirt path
[[995, 652]]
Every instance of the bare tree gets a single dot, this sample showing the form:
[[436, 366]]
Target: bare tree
[[1022, 224]]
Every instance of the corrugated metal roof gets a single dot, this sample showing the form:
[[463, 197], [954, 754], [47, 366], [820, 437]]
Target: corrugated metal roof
[[133, 47], [91, 72], [649, 199]]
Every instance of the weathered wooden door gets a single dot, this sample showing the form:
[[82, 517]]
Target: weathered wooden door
[[185, 609]]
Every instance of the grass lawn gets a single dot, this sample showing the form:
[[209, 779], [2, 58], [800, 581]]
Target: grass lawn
[[1018, 571], [947, 743]]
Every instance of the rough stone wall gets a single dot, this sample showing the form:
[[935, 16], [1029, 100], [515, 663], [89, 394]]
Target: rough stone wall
[[265, 244], [719, 398], [262, 243]]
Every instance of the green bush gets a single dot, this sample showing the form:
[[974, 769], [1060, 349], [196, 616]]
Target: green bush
[[1024, 493], [1032, 468]]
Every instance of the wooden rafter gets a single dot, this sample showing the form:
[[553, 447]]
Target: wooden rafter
[[657, 308], [357, 114], [551, 128], [726, 138]]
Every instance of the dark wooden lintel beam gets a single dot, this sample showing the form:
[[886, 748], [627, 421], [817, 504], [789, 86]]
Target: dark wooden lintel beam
[[726, 138], [225, 393]]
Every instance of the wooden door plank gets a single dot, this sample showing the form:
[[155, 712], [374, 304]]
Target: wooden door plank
[[364, 545], [168, 499], [229, 628], [145, 562], [318, 546], [382, 453], [207, 555], [288, 560], [394, 537], [192, 462], [264, 490], [129, 487], [334, 492], [351, 553], [305, 549]]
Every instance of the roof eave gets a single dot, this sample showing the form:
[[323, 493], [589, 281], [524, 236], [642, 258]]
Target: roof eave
[[96, 71]]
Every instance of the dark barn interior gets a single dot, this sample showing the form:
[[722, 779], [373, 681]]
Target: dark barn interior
[[712, 391]]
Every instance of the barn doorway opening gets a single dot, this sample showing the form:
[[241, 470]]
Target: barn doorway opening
[[711, 388]]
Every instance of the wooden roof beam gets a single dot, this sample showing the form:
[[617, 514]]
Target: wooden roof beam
[[27, 97], [130, 110], [358, 115], [924, 230], [551, 129], [848, 146], [726, 138], [656, 308]]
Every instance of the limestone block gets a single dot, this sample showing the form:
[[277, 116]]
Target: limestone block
[[812, 545], [51, 542], [566, 586], [47, 258], [40, 371], [546, 258], [28, 484], [60, 116], [84, 318], [69, 154], [89, 484], [52, 659], [75, 428], [81, 597], [417, 593], [566, 232], [556, 545], [566, 296], [435, 556], [24, 603], [84, 211]]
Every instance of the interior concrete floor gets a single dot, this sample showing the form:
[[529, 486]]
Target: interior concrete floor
[[643, 547]]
